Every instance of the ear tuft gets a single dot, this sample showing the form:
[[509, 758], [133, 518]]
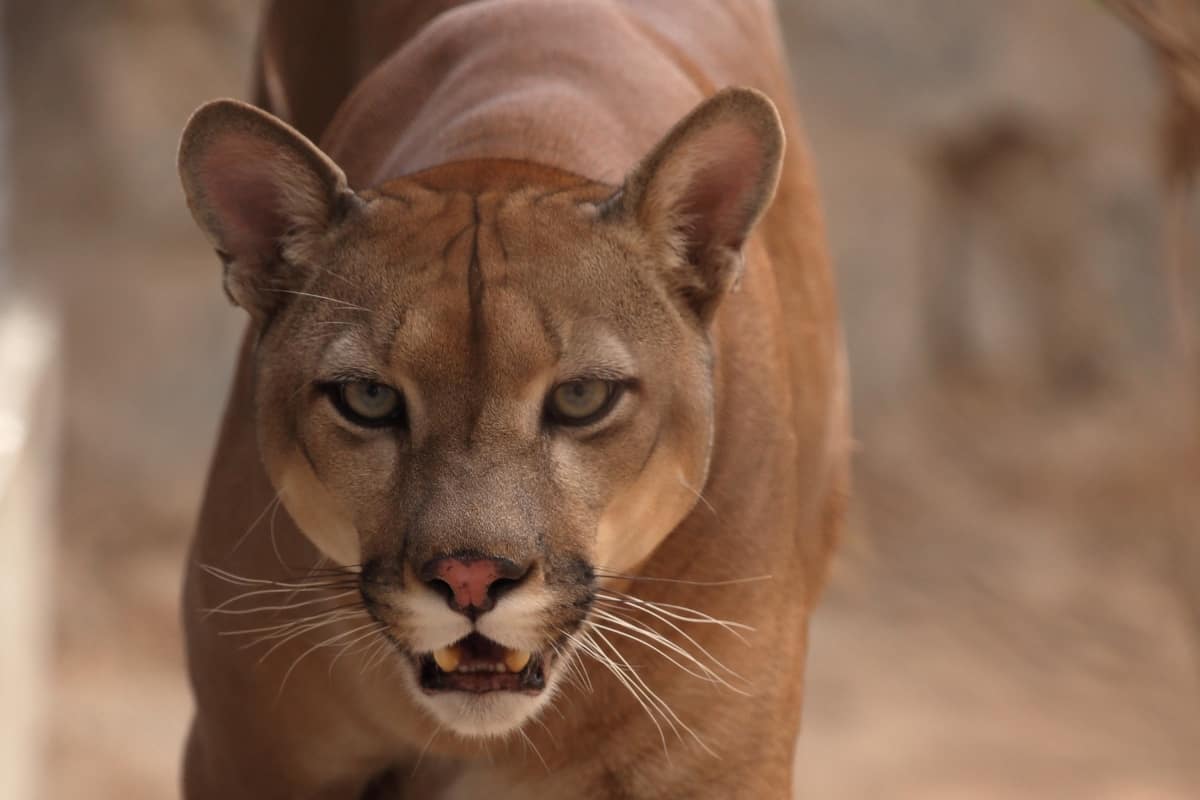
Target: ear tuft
[[255, 185], [702, 189]]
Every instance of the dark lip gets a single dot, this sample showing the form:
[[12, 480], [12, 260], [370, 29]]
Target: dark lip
[[529, 681]]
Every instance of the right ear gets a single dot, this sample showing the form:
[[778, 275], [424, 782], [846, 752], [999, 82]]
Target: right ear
[[261, 192]]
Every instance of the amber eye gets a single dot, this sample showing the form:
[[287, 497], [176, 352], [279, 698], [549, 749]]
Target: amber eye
[[581, 402], [368, 403]]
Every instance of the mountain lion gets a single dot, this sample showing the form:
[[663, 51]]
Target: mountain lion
[[537, 449]]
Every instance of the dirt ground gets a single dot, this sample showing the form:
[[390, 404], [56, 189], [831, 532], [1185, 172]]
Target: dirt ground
[[1015, 612]]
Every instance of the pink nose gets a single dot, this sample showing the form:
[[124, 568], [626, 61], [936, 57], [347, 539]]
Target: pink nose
[[473, 582]]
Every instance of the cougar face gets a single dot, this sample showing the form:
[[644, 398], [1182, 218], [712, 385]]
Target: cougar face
[[487, 386]]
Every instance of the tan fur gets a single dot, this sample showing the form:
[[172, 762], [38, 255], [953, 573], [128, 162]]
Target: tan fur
[[513, 193]]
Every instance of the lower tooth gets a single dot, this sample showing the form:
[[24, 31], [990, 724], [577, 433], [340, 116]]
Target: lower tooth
[[516, 660], [448, 658]]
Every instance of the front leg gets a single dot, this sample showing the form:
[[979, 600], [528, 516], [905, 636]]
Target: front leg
[[225, 766]]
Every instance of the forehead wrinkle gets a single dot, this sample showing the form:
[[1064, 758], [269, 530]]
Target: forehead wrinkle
[[476, 331], [429, 341], [487, 267], [454, 239], [491, 207], [549, 330], [446, 235]]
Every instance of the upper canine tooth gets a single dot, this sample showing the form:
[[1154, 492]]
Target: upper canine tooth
[[516, 660], [448, 658]]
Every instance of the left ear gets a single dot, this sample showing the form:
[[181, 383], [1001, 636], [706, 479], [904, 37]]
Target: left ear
[[702, 189]]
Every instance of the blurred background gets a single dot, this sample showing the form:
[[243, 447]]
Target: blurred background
[[1015, 612]]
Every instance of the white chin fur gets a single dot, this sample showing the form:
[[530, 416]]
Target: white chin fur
[[482, 716]]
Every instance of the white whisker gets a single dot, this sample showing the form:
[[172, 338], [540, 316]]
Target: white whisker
[[221, 609], [604, 573], [274, 502], [652, 639], [346, 647], [671, 610], [326, 643], [667, 621], [292, 630], [589, 646], [241, 580], [573, 666], [699, 496], [340, 277], [378, 656], [342, 303], [536, 752], [424, 750], [549, 734], [347, 609], [636, 682], [664, 706]]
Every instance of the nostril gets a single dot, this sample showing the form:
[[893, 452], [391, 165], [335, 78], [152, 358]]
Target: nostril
[[442, 588], [503, 585], [472, 584]]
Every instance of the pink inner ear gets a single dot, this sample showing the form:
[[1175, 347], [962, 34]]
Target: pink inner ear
[[724, 172], [243, 181]]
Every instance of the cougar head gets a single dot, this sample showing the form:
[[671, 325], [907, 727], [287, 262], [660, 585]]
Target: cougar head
[[486, 385]]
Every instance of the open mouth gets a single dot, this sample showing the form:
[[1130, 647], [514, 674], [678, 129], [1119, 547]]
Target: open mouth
[[477, 664]]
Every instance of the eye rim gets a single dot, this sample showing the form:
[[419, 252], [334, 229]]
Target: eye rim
[[615, 388], [336, 391]]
